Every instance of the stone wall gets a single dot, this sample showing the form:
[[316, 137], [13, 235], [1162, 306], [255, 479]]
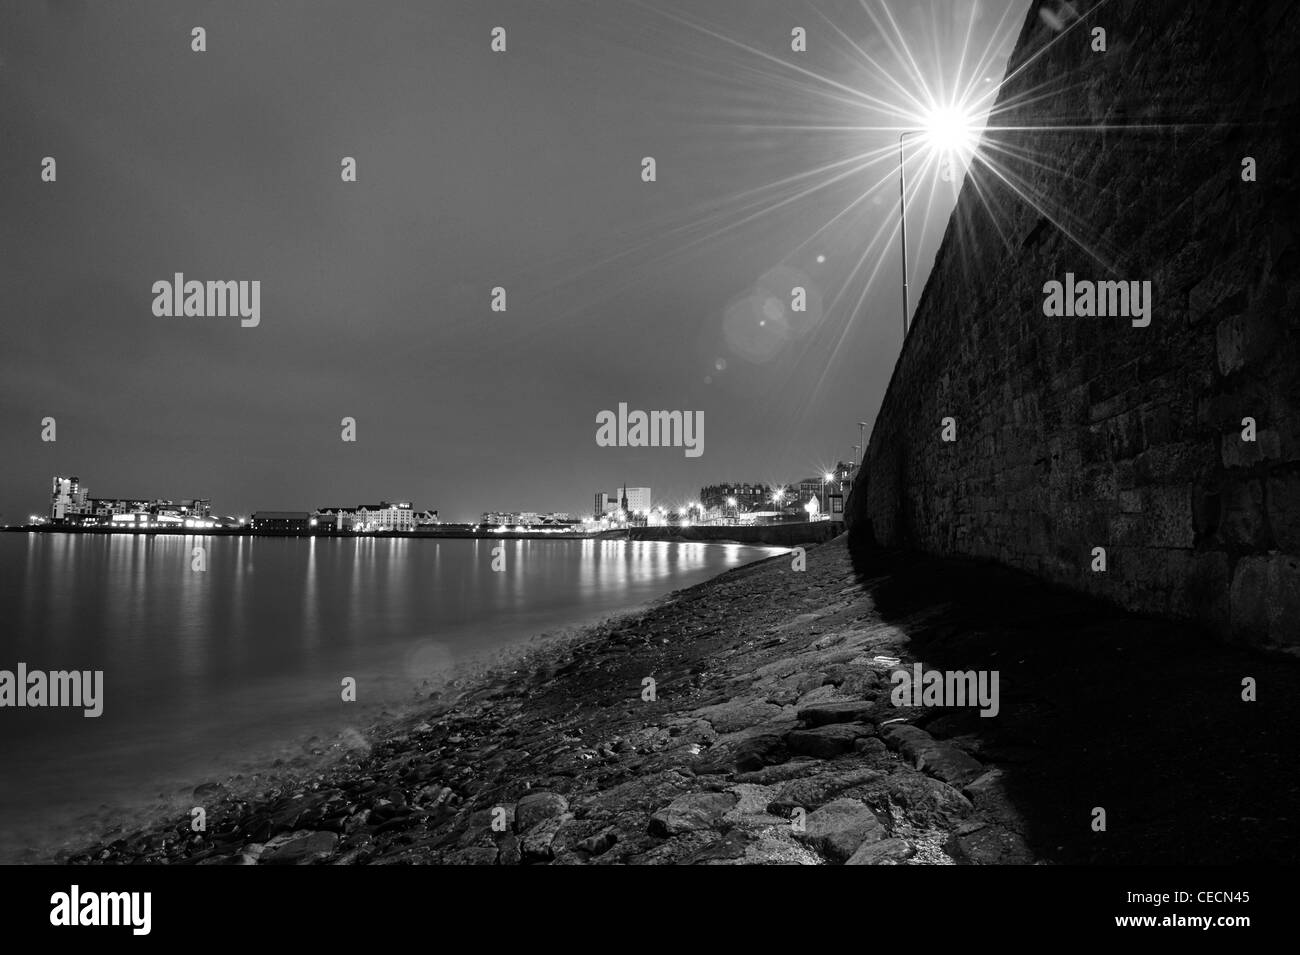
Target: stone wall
[[1077, 433]]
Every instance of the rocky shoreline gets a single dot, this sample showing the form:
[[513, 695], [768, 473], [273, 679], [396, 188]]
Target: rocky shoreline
[[770, 737], [766, 739]]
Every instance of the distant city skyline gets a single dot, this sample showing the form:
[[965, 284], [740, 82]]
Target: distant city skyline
[[72, 499], [372, 300]]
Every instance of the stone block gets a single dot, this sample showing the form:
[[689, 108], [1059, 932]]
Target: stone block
[[1265, 599], [1283, 499], [1169, 512], [1241, 521]]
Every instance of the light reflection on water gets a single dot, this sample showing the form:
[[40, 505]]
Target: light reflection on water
[[210, 672]]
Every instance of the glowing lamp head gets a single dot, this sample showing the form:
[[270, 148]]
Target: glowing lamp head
[[949, 130]]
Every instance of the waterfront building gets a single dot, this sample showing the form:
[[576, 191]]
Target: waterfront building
[[197, 507], [384, 516], [748, 497], [283, 521], [335, 518], [525, 519], [67, 498], [70, 503], [629, 500], [829, 493]]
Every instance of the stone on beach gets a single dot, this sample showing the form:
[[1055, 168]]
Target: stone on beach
[[691, 812], [942, 760], [840, 827], [536, 807], [838, 711], [300, 848], [827, 742]]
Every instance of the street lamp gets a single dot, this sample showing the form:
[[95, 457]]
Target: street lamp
[[862, 440], [947, 130]]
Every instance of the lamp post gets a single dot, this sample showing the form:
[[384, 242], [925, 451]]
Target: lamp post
[[902, 218], [862, 441], [948, 128]]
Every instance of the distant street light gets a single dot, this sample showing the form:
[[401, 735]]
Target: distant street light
[[862, 440]]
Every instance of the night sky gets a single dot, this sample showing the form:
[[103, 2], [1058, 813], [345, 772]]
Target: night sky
[[475, 169]]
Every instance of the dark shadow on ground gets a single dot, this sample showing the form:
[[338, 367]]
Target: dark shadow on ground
[[1102, 708]]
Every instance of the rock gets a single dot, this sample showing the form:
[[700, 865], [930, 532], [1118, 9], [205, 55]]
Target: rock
[[479, 855], [600, 843], [301, 848], [432, 797], [815, 791], [926, 802], [536, 807], [691, 812], [942, 760], [839, 828], [675, 851], [820, 696], [535, 845], [869, 746], [353, 856], [992, 845], [843, 711], [508, 850], [779, 774], [738, 714], [640, 795], [731, 846], [253, 850], [772, 846], [748, 750], [750, 798], [949, 763], [896, 734], [880, 853], [826, 742], [479, 824], [983, 787]]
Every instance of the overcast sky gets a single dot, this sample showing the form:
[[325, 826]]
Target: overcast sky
[[476, 169]]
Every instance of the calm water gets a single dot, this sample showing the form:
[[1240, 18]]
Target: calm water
[[225, 670]]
